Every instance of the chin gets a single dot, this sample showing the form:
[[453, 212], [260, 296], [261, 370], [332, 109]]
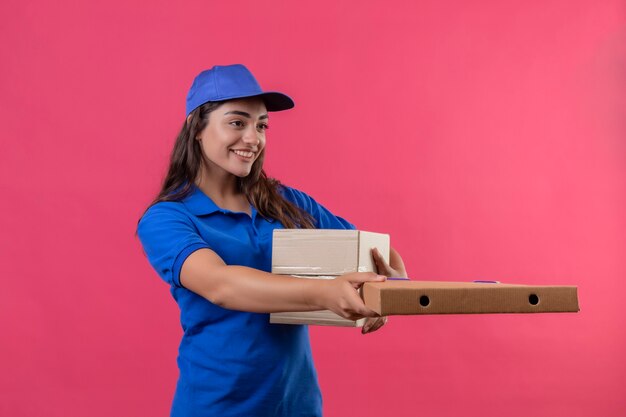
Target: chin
[[242, 174]]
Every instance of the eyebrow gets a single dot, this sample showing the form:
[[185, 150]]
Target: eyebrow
[[244, 114]]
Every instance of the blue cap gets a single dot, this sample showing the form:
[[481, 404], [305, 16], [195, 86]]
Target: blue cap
[[230, 82]]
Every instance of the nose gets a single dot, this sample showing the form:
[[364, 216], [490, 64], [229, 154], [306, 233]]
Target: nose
[[252, 136]]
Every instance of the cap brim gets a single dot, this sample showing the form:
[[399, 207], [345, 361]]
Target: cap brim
[[275, 101]]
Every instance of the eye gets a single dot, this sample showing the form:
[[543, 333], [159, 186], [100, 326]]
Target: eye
[[263, 126], [237, 123]]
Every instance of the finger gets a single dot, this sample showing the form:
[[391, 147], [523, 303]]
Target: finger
[[375, 257], [378, 258], [381, 266], [373, 324], [380, 322], [367, 277], [359, 307], [367, 325], [360, 311], [369, 322], [366, 312], [358, 315]]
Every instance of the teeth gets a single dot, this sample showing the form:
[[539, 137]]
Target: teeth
[[244, 154]]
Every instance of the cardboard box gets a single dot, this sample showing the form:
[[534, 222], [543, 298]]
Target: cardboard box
[[325, 252], [320, 318], [430, 297]]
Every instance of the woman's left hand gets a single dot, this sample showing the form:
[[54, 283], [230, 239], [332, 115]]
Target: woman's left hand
[[395, 267], [383, 268]]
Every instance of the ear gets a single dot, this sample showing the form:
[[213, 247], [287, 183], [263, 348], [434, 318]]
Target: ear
[[188, 122]]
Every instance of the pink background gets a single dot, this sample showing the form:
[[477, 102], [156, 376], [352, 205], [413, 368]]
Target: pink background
[[486, 137]]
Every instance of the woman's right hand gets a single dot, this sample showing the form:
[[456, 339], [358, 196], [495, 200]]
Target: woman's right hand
[[340, 295]]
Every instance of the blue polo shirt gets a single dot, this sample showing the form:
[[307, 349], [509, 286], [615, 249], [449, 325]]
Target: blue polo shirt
[[232, 363]]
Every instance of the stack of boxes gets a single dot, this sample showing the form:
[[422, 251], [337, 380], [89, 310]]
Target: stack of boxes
[[326, 254]]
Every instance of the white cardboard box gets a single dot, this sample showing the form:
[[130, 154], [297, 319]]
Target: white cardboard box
[[323, 254], [325, 251]]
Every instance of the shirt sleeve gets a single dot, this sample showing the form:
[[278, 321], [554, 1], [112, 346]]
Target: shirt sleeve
[[323, 217], [168, 237]]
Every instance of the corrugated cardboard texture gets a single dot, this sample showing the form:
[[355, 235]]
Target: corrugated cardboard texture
[[431, 297], [325, 252]]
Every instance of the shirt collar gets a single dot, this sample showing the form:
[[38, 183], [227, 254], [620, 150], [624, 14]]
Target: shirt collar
[[199, 203]]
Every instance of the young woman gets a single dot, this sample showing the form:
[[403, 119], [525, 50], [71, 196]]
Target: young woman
[[208, 234]]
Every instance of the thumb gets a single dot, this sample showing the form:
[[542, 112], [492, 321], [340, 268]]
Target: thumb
[[379, 261]]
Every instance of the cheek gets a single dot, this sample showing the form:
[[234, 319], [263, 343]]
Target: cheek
[[213, 151]]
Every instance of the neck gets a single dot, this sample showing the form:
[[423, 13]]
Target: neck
[[217, 185]]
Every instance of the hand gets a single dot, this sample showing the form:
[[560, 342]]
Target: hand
[[340, 295], [384, 268], [373, 324]]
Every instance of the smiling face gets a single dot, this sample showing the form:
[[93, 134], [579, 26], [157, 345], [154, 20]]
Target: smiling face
[[234, 137]]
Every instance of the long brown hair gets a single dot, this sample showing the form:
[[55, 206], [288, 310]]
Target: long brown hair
[[261, 191]]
